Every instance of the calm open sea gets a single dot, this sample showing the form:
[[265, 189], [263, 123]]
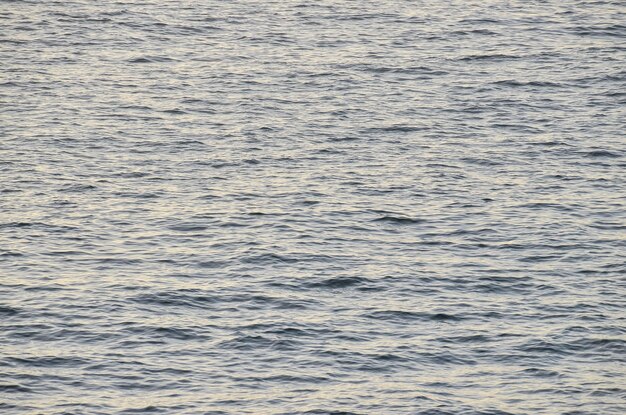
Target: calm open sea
[[313, 207]]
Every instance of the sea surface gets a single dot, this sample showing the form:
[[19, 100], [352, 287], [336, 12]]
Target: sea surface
[[313, 207]]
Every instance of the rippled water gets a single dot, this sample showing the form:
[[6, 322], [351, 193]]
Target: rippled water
[[333, 207]]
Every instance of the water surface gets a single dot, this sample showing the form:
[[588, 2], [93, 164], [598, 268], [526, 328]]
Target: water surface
[[331, 207]]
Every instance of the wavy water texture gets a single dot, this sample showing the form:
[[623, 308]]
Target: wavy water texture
[[330, 207]]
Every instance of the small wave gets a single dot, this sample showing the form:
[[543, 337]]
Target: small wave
[[246, 342], [206, 300], [481, 161], [41, 225], [342, 139], [547, 143], [616, 30], [188, 227], [540, 373], [14, 388], [399, 220], [47, 361], [8, 311], [137, 195], [176, 299], [483, 32], [150, 409], [539, 258], [615, 226], [397, 129], [151, 59], [474, 338], [42, 287], [546, 205], [615, 346], [78, 188], [213, 264], [18, 224], [177, 333], [602, 154], [269, 259], [404, 316], [338, 282], [488, 57], [11, 254], [175, 111], [514, 83], [290, 379]]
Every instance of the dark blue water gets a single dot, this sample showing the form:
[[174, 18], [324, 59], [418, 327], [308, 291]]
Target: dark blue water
[[333, 207]]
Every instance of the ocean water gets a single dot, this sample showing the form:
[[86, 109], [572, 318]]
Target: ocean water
[[330, 207]]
